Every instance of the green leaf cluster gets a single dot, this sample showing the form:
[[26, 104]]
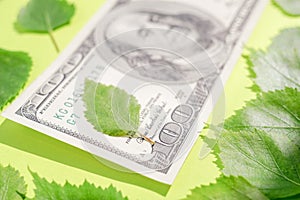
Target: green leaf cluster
[[259, 147], [42, 16], [111, 110], [13, 187]]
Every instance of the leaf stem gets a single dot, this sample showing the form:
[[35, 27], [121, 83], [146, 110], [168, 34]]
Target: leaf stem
[[147, 139], [53, 40], [50, 32]]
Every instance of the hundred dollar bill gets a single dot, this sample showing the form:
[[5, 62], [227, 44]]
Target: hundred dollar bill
[[166, 59]]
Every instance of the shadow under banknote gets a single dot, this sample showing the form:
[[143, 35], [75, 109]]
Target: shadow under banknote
[[31, 141]]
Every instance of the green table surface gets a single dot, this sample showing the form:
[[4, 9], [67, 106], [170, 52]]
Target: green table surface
[[22, 147]]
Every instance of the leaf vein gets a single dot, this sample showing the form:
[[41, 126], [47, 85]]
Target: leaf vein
[[256, 161]]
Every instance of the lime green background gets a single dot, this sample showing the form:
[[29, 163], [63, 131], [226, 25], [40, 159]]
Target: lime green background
[[22, 147]]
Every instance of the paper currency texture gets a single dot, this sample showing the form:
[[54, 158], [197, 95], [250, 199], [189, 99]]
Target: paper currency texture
[[137, 84]]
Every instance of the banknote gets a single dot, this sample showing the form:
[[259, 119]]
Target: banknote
[[137, 84]]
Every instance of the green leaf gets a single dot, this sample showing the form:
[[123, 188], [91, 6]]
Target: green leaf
[[286, 39], [14, 71], [44, 16], [277, 113], [279, 66], [290, 7], [11, 183], [86, 191], [227, 188], [262, 143], [111, 110], [296, 197], [211, 145], [255, 156]]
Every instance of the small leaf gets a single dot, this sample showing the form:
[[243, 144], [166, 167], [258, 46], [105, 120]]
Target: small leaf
[[111, 110], [44, 16], [279, 66], [14, 71], [227, 188], [290, 7], [262, 141], [86, 191], [11, 184]]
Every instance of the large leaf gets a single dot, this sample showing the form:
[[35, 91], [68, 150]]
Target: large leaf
[[14, 71], [227, 188], [291, 7], [111, 110], [279, 66], [44, 16], [86, 191], [11, 184], [261, 143]]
